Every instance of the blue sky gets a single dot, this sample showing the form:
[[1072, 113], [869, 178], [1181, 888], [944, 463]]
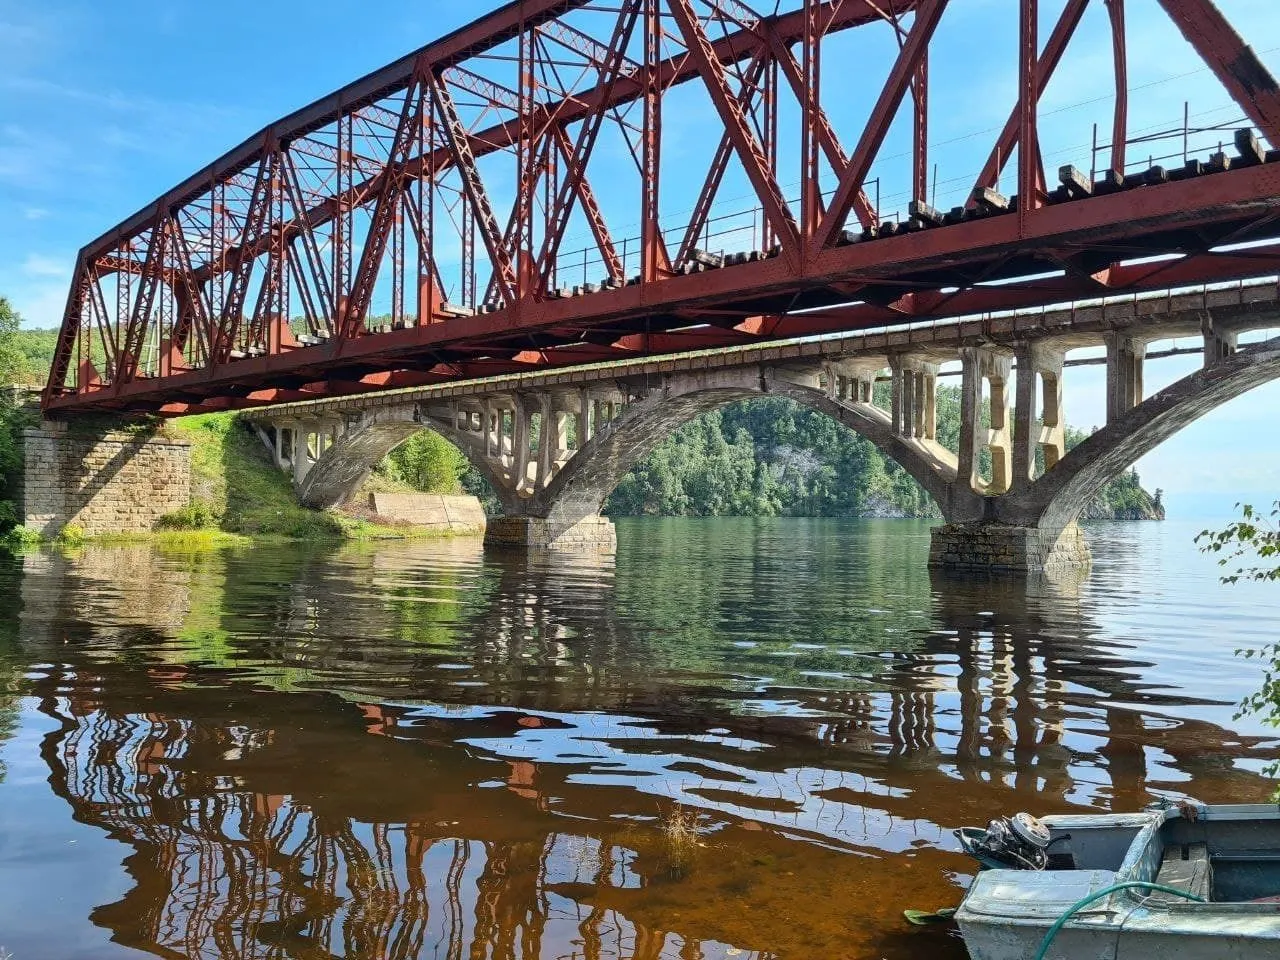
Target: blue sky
[[103, 107]]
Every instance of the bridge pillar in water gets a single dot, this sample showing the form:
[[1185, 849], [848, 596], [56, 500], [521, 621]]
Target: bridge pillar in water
[[104, 481], [994, 546], [590, 533]]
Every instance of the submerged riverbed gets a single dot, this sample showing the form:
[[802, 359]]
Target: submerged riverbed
[[744, 738]]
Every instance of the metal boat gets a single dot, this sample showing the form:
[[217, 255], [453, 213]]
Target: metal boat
[[1186, 880]]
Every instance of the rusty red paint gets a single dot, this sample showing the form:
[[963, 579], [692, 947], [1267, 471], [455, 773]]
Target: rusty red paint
[[253, 282]]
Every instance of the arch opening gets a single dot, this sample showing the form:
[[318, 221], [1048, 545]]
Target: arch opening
[[586, 484], [346, 465], [1056, 499]]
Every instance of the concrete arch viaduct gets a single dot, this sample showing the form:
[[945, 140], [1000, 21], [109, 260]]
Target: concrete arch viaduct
[[553, 446]]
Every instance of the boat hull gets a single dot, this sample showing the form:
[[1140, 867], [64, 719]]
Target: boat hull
[[1219, 852]]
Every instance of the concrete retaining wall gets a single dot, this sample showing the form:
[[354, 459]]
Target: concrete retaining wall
[[456, 514], [106, 483]]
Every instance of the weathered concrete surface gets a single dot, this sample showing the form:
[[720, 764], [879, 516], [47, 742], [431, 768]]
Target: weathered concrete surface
[[553, 446], [1057, 497], [436, 511], [593, 533], [998, 546], [344, 466], [106, 483]]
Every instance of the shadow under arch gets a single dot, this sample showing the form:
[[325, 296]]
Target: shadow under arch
[[345, 466]]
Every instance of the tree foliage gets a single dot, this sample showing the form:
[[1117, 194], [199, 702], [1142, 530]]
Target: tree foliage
[[1250, 545], [1249, 548], [767, 457], [13, 362], [12, 418], [426, 462]]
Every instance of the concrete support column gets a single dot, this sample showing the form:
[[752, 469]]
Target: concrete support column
[[1125, 357], [546, 441], [970, 417], [919, 425], [899, 400], [926, 401], [853, 380], [979, 364], [278, 450], [1000, 436], [584, 417], [866, 390], [1219, 343], [915, 396], [905, 382], [490, 429], [329, 431], [507, 434], [560, 421], [931, 404], [520, 447], [299, 458], [1039, 372]]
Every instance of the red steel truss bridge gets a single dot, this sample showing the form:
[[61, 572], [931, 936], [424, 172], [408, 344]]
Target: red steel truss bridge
[[418, 226]]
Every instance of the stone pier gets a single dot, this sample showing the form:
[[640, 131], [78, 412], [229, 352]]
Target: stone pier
[[539, 533], [102, 482], [1001, 547]]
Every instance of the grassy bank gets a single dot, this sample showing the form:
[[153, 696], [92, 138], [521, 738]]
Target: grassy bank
[[238, 492]]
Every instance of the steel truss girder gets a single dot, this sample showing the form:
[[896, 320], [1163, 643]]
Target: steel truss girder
[[301, 222]]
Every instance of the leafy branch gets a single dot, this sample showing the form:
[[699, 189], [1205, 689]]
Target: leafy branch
[[1250, 544]]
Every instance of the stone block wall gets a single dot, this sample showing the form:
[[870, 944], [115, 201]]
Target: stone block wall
[[1001, 547], [437, 511], [104, 483], [594, 534]]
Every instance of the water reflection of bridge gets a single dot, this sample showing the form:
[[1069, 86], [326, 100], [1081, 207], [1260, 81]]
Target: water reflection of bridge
[[270, 823]]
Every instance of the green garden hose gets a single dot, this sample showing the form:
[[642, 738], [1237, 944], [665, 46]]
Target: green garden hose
[[1081, 904]]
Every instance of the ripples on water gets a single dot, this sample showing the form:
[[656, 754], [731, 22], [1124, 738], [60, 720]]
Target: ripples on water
[[417, 750]]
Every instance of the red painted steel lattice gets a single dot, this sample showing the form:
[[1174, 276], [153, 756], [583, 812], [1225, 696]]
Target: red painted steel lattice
[[413, 227]]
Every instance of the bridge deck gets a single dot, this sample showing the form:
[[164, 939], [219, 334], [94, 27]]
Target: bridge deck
[[1238, 307]]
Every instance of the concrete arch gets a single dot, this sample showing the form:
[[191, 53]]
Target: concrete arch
[[345, 466], [580, 489], [1056, 498]]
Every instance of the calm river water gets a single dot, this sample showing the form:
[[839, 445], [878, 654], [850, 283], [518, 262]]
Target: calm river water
[[741, 739]]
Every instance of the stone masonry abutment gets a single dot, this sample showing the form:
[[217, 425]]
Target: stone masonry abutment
[[104, 482], [553, 446]]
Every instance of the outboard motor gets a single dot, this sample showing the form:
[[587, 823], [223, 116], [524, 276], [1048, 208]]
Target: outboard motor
[[1020, 842]]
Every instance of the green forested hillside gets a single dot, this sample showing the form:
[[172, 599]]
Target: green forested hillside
[[33, 353], [767, 457]]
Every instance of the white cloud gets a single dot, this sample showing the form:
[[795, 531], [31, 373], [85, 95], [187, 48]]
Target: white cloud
[[38, 265], [34, 213]]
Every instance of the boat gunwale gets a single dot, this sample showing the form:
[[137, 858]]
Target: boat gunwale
[[1131, 905]]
